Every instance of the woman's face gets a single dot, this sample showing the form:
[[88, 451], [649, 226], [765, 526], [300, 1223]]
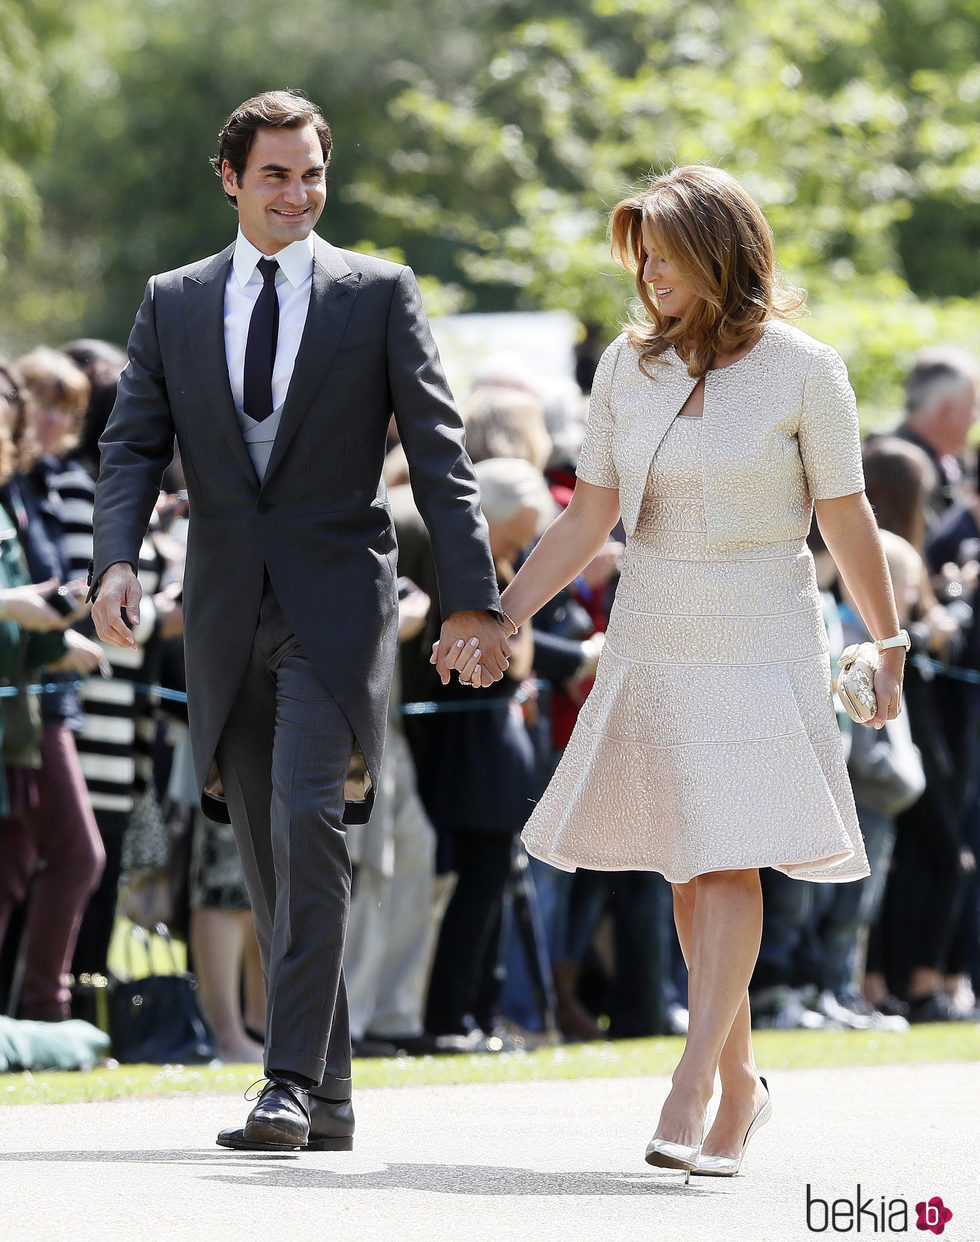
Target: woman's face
[[52, 424], [668, 287]]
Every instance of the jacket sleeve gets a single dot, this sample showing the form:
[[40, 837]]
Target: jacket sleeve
[[44, 648], [596, 464], [443, 481], [136, 447], [829, 433]]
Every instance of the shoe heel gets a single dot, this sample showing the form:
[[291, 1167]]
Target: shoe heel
[[345, 1143]]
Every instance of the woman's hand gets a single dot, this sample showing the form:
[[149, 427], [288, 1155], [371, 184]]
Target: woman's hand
[[475, 644], [888, 686], [82, 657], [27, 605]]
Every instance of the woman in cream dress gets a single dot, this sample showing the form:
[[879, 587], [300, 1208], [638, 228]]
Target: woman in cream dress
[[709, 747]]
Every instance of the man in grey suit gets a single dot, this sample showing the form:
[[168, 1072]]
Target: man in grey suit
[[276, 365]]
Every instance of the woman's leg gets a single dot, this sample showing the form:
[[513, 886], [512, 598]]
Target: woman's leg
[[719, 924], [71, 849], [218, 943], [253, 981]]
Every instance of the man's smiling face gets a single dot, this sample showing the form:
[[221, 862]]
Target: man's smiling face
[[281, 193]]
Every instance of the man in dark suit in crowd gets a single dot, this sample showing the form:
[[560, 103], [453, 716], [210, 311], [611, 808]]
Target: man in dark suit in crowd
[[276, 366], [942, 402]]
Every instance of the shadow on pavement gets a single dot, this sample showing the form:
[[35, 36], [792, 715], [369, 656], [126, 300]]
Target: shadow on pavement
[[284, 1171]]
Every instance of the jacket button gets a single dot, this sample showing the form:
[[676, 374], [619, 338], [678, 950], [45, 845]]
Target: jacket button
[[263, 505]]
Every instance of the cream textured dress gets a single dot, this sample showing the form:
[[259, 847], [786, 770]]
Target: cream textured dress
[[709, 740]]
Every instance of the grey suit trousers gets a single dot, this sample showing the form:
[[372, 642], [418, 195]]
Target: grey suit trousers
[[283, 758]]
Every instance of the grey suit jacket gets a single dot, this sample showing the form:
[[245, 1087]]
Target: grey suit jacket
[[319, 521]]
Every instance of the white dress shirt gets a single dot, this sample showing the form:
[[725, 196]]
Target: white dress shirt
[[294, 281]]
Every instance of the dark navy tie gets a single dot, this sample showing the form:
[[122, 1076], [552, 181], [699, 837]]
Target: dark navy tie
[[260, 347]]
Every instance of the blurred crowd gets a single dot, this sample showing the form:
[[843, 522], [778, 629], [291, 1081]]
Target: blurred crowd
[[457, 940]]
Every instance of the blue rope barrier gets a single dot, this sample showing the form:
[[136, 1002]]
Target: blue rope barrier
[[930, 668], [422, 708], [926, 665]]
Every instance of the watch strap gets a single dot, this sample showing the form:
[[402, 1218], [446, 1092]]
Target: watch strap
[[901, 639]]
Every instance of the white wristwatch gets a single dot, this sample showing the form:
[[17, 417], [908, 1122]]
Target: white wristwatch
[[901, 639]]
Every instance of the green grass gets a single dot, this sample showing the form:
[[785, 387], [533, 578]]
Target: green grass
[[635, 1058]]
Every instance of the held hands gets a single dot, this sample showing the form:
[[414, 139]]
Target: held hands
[[475, 644], [118, 590]]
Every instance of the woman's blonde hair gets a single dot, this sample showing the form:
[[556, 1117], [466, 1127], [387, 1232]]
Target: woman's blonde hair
[[49, 377], [707, 227]]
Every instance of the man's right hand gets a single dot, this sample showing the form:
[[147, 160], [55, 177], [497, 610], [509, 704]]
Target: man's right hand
[[119, 591]]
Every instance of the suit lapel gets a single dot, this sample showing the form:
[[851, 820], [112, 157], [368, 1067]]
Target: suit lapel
[[205, 298], [331, 302]]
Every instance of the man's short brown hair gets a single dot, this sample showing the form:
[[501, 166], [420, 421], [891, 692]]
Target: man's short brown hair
[[270, 110]]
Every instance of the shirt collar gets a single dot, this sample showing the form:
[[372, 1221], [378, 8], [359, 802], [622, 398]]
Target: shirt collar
[[296, 260]]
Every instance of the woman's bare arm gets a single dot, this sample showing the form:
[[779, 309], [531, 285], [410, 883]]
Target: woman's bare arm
[[563, 551], [850, 532]]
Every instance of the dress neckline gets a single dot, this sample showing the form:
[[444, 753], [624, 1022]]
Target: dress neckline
[[730, 366]]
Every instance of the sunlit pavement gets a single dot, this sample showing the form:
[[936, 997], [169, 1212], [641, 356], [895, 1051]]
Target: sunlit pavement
[[535, 1161]]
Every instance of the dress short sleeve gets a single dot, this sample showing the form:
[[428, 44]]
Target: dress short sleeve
[[595, 463], [829, 433]]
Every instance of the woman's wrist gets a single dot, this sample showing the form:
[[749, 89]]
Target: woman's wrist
[[514, 627], [893, 658]]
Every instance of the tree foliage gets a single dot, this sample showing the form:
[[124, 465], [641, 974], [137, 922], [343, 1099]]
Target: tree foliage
[[486, 141], [26, 121]]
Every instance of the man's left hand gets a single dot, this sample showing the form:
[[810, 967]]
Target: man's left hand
[[474, 643]]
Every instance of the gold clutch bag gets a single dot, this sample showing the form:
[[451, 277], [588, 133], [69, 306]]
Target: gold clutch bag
[[856, 681]]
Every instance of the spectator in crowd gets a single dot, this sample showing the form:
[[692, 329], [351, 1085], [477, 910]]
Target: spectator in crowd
[[102, 363], [512, 413], [953, 550], [221, 935], [115, 738], [924, 896], [942, 392], [505, 422], [391, 927], [476, 813], [48, 834], [887, 777]]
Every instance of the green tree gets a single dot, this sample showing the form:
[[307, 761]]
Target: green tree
[[26, 123], [140, 92], [486, 140], [846, 133]]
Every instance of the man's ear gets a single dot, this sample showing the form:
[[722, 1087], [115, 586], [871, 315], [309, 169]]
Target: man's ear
[[229, 179]]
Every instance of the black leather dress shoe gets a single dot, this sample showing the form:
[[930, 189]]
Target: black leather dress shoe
[[280, 1120], [331, 1128], [331, 1125]]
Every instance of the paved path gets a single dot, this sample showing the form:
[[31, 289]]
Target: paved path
[[546, 1162]]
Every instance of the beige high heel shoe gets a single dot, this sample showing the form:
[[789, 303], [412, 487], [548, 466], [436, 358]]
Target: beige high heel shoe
[[665, 1154], [728, 1166]]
